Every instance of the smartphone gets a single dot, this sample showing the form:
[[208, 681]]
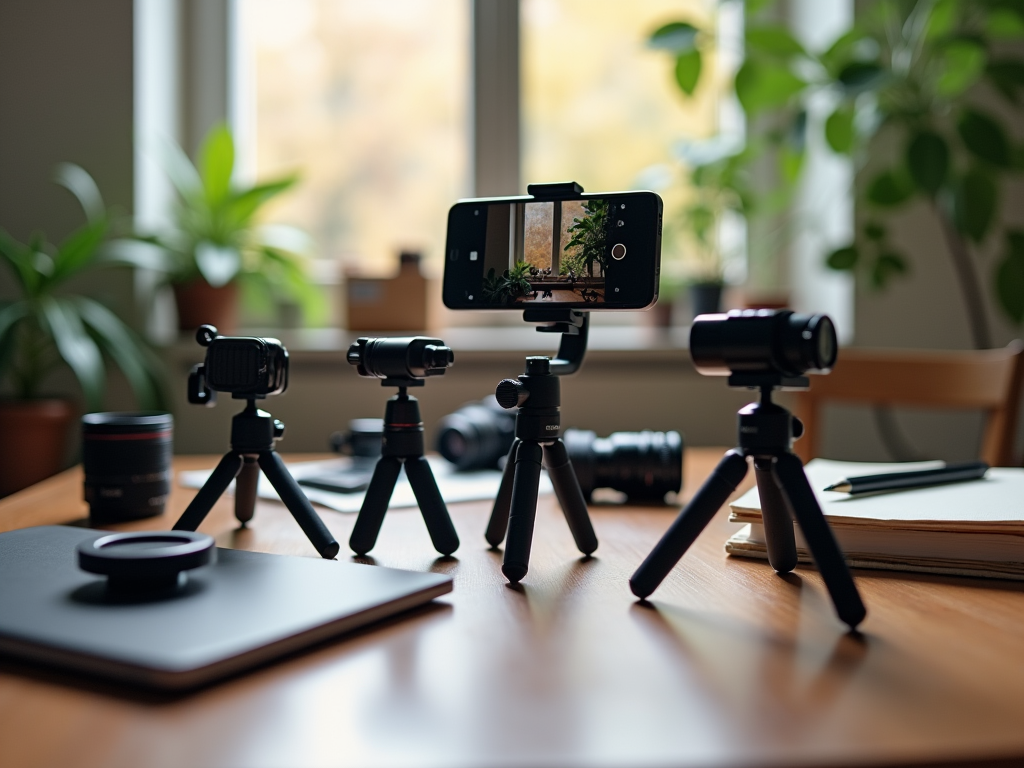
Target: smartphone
[[582, 251]]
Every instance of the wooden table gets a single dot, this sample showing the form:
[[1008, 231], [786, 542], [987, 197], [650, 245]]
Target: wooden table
[[729, 665]]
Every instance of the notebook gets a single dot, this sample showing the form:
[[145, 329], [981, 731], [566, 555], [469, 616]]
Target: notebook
[[966, 529]]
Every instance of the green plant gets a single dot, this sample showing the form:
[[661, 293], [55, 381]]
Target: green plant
[[907, 73], [509, 285], [902, 76], [216, 236], [49, 325], [589, 236]]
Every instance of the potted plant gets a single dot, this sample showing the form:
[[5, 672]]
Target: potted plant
[[49, 326], [509, 285], [216, 247]]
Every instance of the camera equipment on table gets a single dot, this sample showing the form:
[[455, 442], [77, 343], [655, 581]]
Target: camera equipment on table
[[249, 369], [362, 445], [643, 465], [402, 362], [765, 350]]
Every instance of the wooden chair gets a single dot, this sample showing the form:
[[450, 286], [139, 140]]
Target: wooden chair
[[988, 380]]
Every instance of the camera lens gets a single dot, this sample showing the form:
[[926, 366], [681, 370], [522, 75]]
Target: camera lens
[[763, 341], [477, 435], [643, 465], [127, 463]]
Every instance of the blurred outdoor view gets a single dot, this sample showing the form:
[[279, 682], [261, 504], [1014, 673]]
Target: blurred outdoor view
[[370, 103]]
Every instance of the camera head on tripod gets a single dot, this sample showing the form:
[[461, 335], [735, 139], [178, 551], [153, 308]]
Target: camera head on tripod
[[763, 347], [248, 367], [403, 361]]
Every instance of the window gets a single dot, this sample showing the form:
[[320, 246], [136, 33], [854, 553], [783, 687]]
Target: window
[[368, 102]]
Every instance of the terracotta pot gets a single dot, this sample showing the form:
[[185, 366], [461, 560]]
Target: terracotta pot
[[34, 437], [200, 303]]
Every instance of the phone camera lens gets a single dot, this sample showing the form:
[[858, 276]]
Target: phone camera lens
[[618, 251], [621, 223]]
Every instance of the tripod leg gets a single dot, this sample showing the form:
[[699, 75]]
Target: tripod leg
[[245, 489], [778, 521], [293, 497], [212, 490], [827, 555], [523, 512], [567, 489], [498, 523], [435, 513], [375, 504], [691, 521]]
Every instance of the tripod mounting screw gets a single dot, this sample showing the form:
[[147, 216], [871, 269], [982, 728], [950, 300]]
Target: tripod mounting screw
[[510, 393]]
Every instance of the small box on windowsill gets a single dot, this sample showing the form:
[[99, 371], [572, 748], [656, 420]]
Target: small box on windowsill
[[389, 304]]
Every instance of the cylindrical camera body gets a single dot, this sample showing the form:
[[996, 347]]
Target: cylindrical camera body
[[401, 357], [763, 341], [643, 465], [127, 463]]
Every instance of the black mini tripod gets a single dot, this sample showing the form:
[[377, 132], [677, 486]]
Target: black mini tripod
[[537, 436], [250, 368], [766, 433], [403, 444], [402, 362]]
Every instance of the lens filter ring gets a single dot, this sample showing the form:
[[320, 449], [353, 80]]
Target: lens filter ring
[[145, 560]]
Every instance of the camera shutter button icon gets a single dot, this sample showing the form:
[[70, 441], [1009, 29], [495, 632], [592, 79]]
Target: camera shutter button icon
[[618, 251]]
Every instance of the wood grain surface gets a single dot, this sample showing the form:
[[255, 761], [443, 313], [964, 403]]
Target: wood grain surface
[[729, 664]]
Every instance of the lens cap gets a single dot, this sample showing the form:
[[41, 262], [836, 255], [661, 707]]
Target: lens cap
[[144, 561]]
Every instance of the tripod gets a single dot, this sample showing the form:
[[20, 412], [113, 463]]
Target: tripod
[[403, 444], [766, 433], [537, 394], [253, 433]]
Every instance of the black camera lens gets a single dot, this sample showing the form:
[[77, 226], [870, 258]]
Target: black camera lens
[[127, 463], [643, 465], [763, 341], [477, 435], [413, 357]]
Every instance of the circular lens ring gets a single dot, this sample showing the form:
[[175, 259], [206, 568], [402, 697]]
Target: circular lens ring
[[175, 551], [823, 345]]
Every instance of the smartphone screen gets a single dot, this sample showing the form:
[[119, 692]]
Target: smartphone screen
[[592, 251]]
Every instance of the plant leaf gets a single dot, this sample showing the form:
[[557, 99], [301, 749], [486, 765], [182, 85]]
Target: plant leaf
[[21, 259], [218, 263], [677, 37], [76, 348], [962, 62], [77, 251], [928, 161], [124, 347], [1007, 76], [874, 231], [180, 171], [218, 161], [244, 204], [974, 203], [890, 188], [843, 258], [984, 137], [839, 129], [1010, 278], [1005, 24], [764, 85], [860, 76], [688, 66], [887, 266], [78, 182], [773, 39]]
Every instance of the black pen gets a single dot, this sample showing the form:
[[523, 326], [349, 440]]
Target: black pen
[[951, 473]]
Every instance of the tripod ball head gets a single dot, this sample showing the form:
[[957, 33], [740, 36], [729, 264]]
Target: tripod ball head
[[404, 357], [763, 341]]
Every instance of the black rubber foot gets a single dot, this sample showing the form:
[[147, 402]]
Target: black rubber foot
[[514, 572], [643, 594], [331, 551]]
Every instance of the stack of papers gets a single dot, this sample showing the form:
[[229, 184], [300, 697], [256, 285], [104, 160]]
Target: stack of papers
[[974, 528], [454, 486]]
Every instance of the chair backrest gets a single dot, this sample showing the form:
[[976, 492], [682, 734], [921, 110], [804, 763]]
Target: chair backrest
[[989, 380]]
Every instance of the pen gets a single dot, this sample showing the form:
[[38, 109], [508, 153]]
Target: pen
[[951, 473]]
